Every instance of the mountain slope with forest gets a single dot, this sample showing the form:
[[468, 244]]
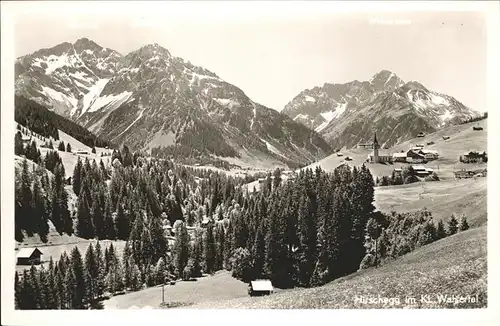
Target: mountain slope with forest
[[149, 99]]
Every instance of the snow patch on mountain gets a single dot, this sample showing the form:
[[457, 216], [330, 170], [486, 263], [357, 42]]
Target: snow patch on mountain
[[106, 100], [254, 111], [92, 95], [227, 102], [322, 126], [310, 99], [439, 100], [272, 148], [55, 62], [59, 97], [301, 117]]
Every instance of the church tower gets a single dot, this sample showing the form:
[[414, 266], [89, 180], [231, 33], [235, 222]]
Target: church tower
[[375, 149]]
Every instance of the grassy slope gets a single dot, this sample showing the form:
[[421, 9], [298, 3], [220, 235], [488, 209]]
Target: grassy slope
[[220, 286], [463, 196], [453, 266], [462, 139]]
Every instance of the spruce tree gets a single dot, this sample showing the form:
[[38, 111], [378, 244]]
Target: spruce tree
[[100, 268], [84, 227], [80, 289], [18, 144], [69, 300], [34, 281], [68, 148], [209, 249], [52, 298], [61, 146], [40, 211], [91, 273], [77, 176], [452, 225], [98, 219], [27, 298], [181, 248], [24, 201], [17, 292], [440, 231], [463, 223]]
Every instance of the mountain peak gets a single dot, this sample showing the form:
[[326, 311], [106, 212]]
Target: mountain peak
[[415, 85], [86, 44], [386, 80]]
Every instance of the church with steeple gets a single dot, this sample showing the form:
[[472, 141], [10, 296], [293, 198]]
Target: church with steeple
[[377, 156]]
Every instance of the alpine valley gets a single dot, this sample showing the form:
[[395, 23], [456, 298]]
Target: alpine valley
[[151, 100], [348, 114]]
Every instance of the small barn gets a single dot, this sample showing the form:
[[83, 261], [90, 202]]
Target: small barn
[[29, 256], [421, 134], [260, 287], [477, 128]]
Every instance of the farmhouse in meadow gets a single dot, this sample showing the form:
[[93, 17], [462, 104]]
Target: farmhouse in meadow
[[422, 171], [29, 256]]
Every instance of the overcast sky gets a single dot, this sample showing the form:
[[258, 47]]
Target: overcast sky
[[273, 53]]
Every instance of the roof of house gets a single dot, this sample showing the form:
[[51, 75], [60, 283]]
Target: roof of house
[[419, 167], [262, 285], [429, 151], [399, 155], [27, 252], [381, 153], [398, 170]]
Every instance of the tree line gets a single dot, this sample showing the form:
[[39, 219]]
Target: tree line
[[46, 123], [389, 236]]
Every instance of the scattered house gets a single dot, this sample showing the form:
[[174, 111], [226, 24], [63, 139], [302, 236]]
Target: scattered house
[[413, 156], [421, 134], [429, 154], [68, 181], [81, 152], [26, 139], [420, 145], [29, 256], [260, 287], [398, 171], [430, 143], [347, 158], [262, 180], [422, 171], [446, 137], [473, 157], [463, 174], [377, 156], [399, 157], [477, 128], [339, 154], [365, 146]]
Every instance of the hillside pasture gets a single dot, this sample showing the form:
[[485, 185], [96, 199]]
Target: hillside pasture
[[462, 139], [442, 198], [220, 286], [453, 266]]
